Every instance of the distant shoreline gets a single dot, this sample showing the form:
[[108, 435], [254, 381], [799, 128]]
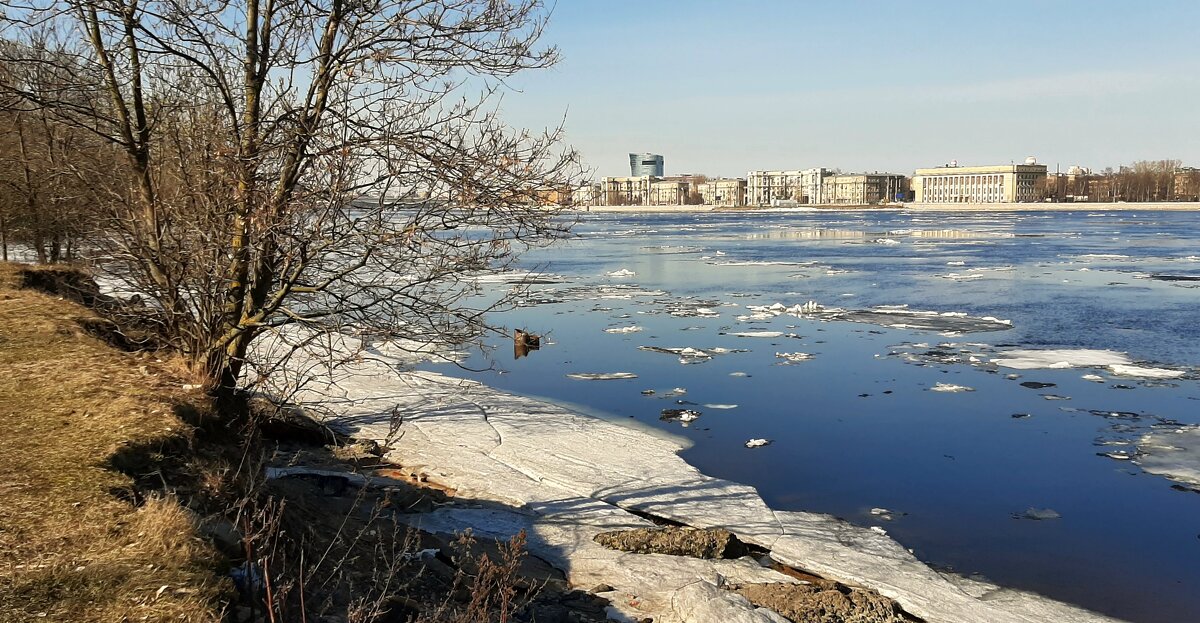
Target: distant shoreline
[[1178, 206]]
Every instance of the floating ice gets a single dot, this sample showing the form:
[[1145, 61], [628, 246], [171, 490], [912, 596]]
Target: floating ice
[[757, 334], [720, 406], [624, 272], [629, 329], [793, 357], [958, 263], [679, 415], [1023, 359], [1095, 378], [757, 443], [1040, 514], [601, 376], [1145, 372], [950, 387], [888, 241], [1174, 454], [1116, 362]]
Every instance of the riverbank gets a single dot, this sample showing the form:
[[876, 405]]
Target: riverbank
[[913, 207], [563, 478], [76, 543]]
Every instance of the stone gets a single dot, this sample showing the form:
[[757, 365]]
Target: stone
[[824, 601], [675, 541]]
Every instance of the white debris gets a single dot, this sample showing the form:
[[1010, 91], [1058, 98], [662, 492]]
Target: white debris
[[950, 387], [628, 329], [624, 272], [758, 334], [958, 263], [601, 376], [757, 443]]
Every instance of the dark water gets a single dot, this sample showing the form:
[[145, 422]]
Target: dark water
[[855, 427]]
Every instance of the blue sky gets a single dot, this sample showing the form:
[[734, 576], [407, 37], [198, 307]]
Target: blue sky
[[722, 87]]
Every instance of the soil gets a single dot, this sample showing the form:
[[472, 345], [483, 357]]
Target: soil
[[824, 601], [676, 541]]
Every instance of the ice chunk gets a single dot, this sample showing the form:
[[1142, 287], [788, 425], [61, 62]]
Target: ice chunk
[[720, 406], [950, 388], [793, 357], [758, 443], [628, 329], [1030, 359], [1172, 453], [601, 376], [1145, 372], [1040, 514], [624, 272], [757, 334]]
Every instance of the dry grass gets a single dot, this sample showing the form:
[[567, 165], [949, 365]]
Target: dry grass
[[70, 549]]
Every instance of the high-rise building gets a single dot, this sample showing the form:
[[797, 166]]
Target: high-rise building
[[645, 164]]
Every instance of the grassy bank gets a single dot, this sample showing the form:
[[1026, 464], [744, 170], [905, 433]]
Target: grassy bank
[[73, 544]]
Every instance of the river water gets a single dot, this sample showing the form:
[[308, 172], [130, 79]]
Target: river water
[[1025, 485]]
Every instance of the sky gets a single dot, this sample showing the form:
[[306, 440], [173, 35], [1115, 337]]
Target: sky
[[722, 88]]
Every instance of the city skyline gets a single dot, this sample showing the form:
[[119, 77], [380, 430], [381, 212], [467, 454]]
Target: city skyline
[[868, 86]]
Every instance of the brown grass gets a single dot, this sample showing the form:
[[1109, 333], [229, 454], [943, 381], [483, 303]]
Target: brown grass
[[70, 549]]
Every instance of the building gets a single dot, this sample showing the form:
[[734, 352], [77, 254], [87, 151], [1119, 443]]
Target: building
[[730, 192], [668, 193], [1186, 184], [1008, 183], [587, 194], [626, 191], [863, 188], [645, 164], [772, 187]]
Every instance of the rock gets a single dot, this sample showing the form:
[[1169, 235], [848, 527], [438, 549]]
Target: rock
[[675, 541], [679, 415], [602, 588], [824, 601]]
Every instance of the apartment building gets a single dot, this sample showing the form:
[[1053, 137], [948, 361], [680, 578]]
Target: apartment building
[[862, 188], [769, 187], [727, 192]]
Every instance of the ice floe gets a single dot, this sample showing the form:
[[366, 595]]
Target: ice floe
[[950, 388], [1118, 363], [562, 477], [1174, 454], [766, 334], [627, 329], [624, 272], [601, 376], [758, 443], [793, 357]]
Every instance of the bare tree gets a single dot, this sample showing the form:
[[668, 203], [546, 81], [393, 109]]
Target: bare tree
[[251, 134]]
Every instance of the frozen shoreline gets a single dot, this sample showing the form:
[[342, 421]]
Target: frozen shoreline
[[564, 477], [914, 207]]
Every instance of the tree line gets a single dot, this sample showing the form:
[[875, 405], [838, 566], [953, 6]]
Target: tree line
[[1144, 180]]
